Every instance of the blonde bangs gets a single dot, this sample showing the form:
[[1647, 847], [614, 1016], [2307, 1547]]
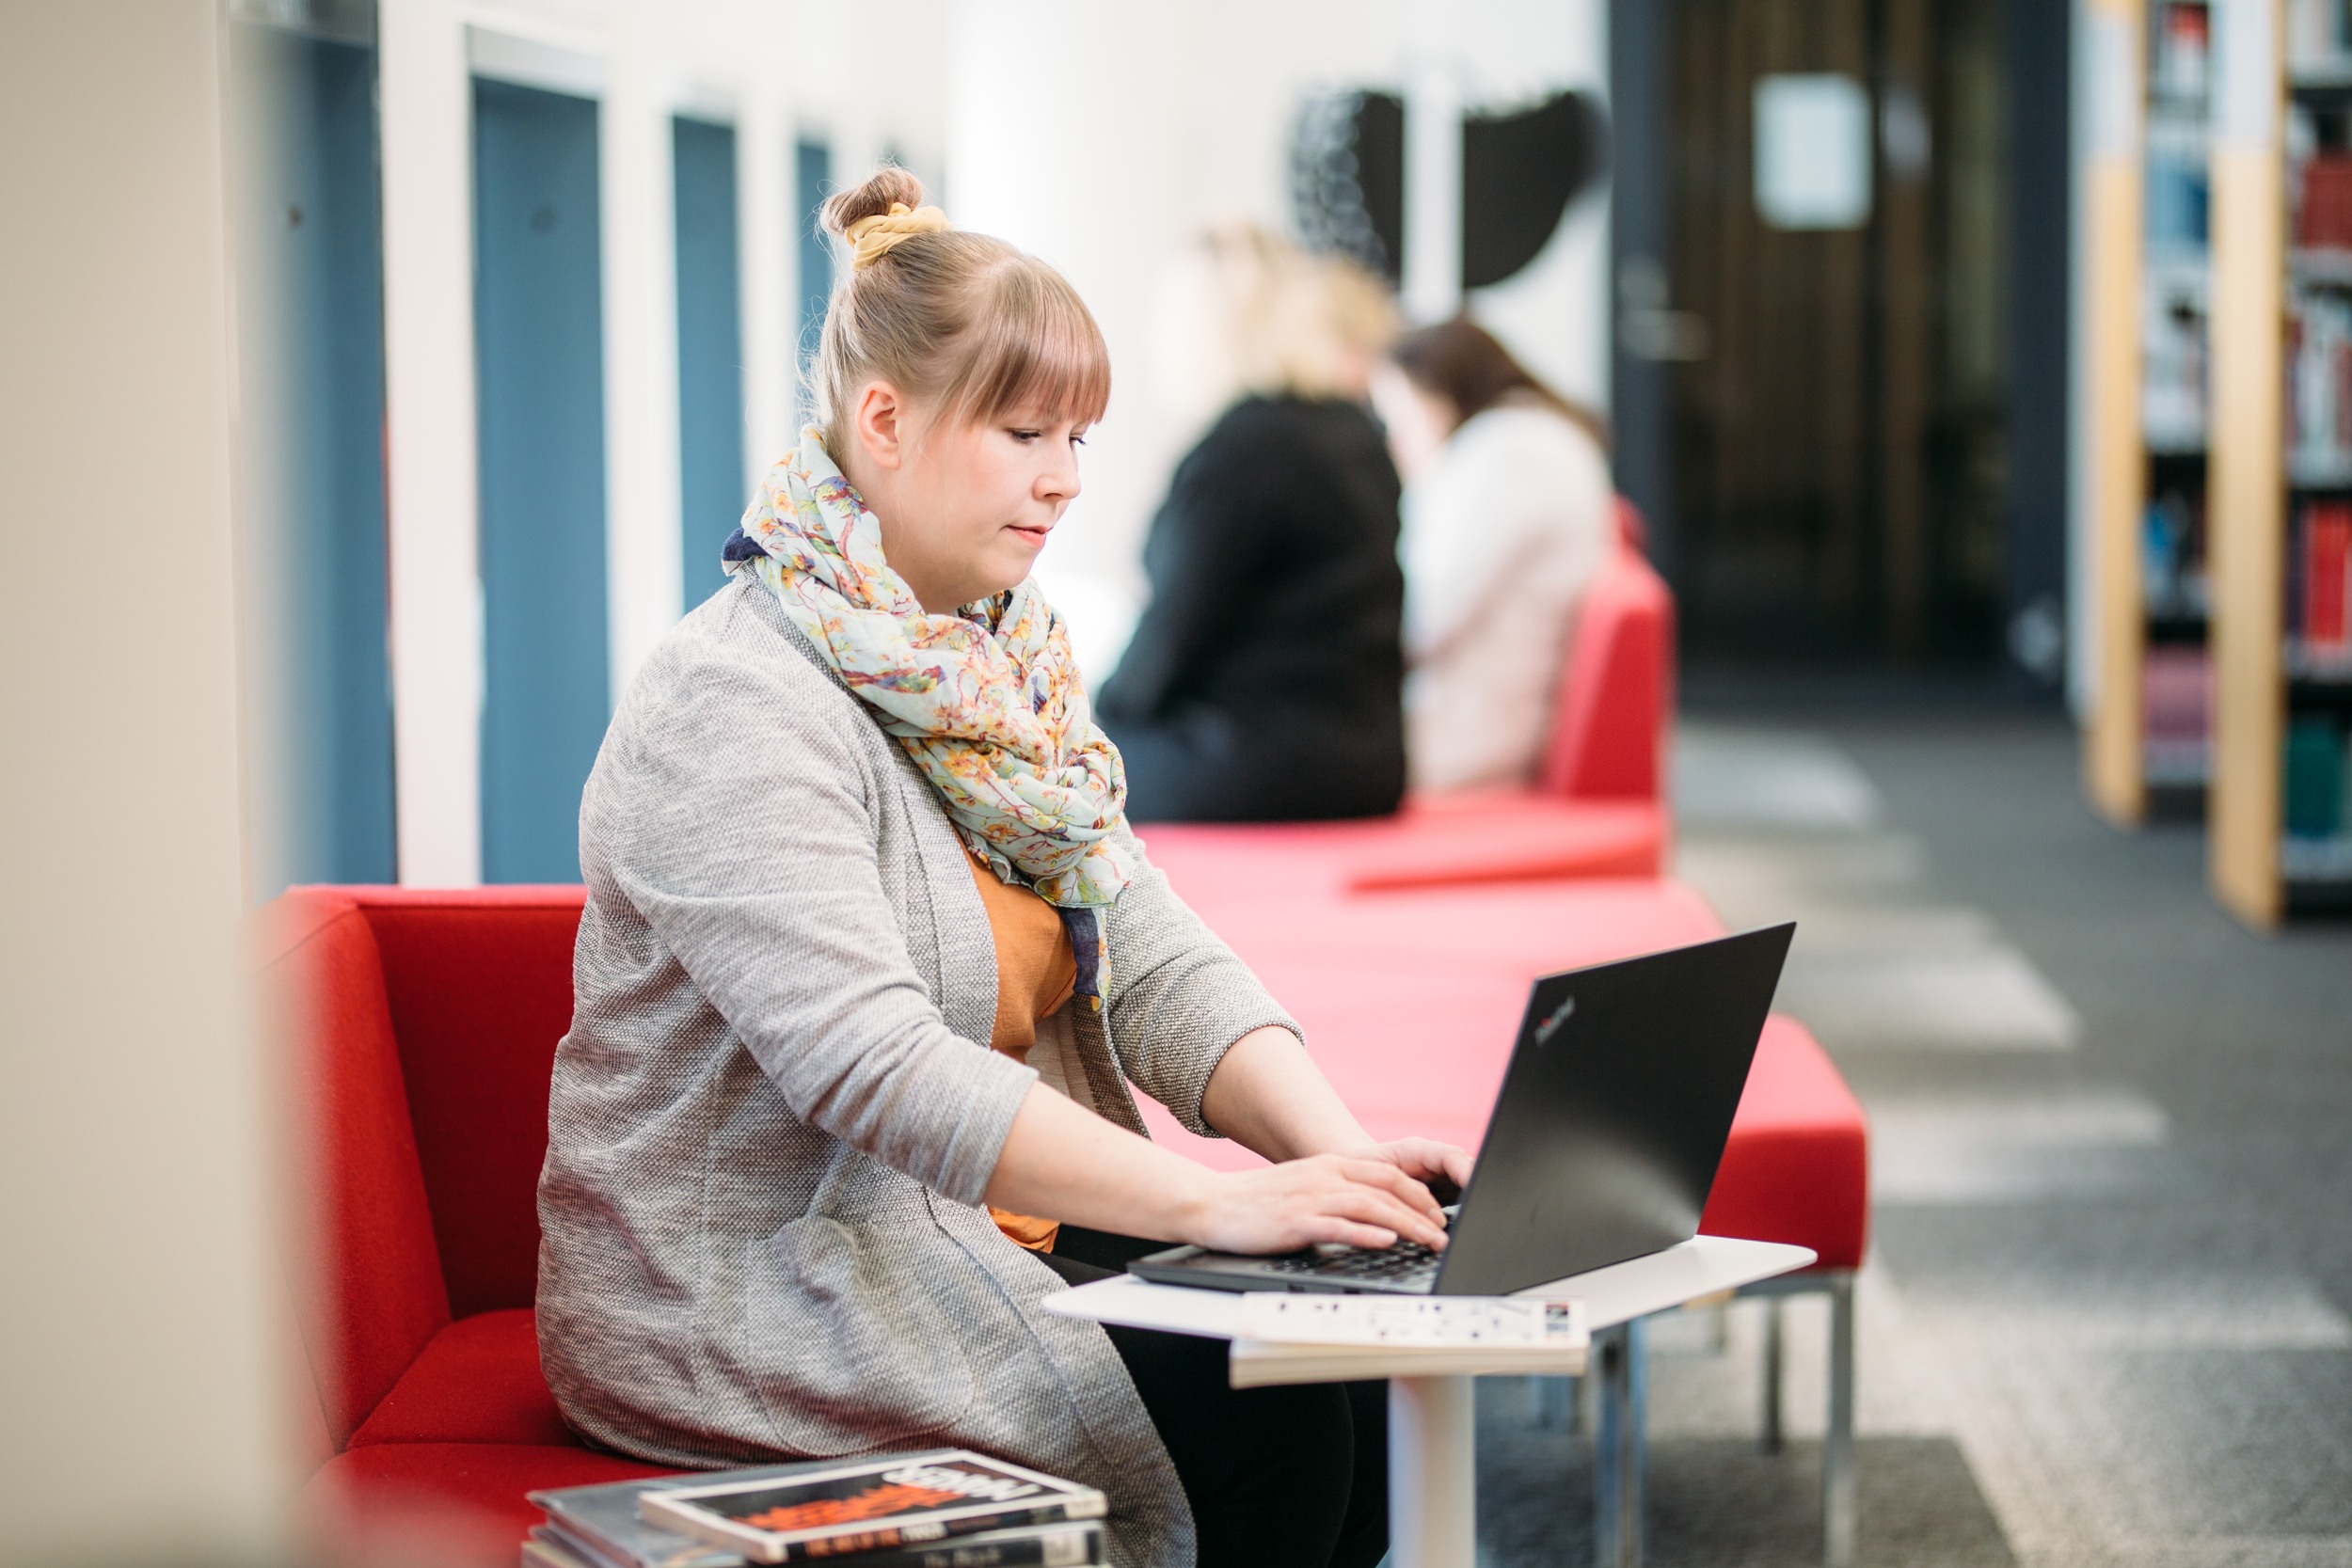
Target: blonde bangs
[[1034, 349], [961, 323]]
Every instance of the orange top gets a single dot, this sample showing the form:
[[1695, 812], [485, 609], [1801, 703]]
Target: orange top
[[1035, 972]]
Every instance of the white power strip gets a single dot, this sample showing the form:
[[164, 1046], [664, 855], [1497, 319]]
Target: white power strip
[[1464, 1321]]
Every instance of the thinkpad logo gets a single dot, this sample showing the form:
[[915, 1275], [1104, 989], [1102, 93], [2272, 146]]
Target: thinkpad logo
[[1551, 1026]]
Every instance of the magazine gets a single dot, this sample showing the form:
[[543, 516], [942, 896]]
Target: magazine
[[1078, 1544], [601, 1522], [868, 1506]]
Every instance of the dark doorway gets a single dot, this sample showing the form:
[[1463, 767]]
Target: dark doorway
[[1822, 365]]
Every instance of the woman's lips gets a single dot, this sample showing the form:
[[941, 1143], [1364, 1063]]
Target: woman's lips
[[1035, 537]]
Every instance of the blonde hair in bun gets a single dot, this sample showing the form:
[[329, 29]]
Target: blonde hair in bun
[[962, 323]]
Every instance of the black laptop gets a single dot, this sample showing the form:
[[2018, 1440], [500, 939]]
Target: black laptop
[[1602, 1146]]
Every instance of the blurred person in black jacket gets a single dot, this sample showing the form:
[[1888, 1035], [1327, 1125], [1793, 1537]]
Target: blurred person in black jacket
[[1265, 681]]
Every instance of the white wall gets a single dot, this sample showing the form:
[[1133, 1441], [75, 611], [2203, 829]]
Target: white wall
[[1102, 137], [1099, 136], [138, 1401], [778, 70]]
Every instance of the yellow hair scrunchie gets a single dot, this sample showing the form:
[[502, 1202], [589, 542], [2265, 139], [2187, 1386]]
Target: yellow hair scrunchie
[[870, 238]]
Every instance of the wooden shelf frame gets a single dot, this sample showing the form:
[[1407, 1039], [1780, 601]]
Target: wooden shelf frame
[[2114, 205], [2128, 119], [2247, 481]]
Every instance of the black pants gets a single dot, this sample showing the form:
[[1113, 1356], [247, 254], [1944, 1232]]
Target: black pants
[[1284, 1477]]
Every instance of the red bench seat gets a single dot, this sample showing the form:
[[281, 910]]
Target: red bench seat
[[1596, 811], [1411, 1002], [424, 1026]]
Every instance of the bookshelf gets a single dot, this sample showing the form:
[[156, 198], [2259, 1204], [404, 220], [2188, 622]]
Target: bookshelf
[[2282, 458], [2148, 742]]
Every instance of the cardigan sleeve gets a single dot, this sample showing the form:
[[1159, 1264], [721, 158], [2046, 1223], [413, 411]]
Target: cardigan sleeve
[[739, 822]]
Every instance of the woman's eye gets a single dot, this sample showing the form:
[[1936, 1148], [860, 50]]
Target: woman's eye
[[1077, 440], [1026, 435]]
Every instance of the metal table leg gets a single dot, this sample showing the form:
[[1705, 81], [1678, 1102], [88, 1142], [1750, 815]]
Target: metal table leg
[[1837, 1457], [1432, 1472], [1620, 1450]]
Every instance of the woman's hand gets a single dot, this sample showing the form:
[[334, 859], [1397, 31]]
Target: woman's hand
[[1425, 1160], [1367, 1199]]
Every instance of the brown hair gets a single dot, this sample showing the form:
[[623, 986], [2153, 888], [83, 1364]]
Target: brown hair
[[963, 322], [1461, 362]]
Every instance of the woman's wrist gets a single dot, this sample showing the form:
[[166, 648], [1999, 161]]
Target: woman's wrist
[[1190, 1204]]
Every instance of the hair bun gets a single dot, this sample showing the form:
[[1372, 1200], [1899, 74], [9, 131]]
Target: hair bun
[[887, 184]]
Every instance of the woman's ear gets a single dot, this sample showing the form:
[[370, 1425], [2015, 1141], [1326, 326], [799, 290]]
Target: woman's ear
[[881, 423]]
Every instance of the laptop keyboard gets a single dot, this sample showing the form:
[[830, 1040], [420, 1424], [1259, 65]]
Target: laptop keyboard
[[1406, 1264]]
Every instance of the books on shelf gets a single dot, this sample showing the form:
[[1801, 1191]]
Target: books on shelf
[[2323, 216], [2176, 726], [2317, 775], [2319, 589], [2172, 555], [2181, 44], [2319, 34], [2319, 404], [851, 1510], [2172, 408]]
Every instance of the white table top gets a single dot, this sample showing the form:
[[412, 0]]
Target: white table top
[[1701, 1267]]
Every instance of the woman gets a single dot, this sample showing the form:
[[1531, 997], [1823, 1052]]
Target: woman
[[1263, 682], [1508, 513], [870, 958]]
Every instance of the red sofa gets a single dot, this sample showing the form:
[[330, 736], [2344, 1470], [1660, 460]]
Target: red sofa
[[423, 1027], [1596, 810]]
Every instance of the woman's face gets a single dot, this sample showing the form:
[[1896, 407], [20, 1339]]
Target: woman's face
[[964, 506], [1418, 422]]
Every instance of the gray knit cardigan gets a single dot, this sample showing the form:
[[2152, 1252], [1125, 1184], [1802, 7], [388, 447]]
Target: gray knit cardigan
[[773, 1118]]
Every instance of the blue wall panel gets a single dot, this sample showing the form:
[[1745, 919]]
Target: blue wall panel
[[812, 163], [709, 350], [322, 217], [539, 360]]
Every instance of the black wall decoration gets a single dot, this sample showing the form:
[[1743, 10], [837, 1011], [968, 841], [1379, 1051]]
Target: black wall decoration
[[1522, 168]]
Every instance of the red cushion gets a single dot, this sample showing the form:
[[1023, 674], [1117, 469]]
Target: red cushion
[[478, 1382], [480, 984], [455, 1505], [1798, 1166], [1435, 841], [369, 1289], [1616, 695], [1410, 1003]]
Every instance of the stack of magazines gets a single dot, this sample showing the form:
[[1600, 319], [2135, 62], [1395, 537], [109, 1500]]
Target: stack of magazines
[[942, 1508]]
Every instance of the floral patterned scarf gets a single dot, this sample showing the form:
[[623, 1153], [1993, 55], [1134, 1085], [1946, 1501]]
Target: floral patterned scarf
[[986, 701]]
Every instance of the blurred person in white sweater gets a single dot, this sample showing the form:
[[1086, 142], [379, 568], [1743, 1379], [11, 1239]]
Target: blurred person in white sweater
[[1508, 513]]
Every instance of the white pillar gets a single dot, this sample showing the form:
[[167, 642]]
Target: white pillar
[[1095, 175], [769, 215], [644, 572], [426, 106], [1433, 168], [144, 1413]]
